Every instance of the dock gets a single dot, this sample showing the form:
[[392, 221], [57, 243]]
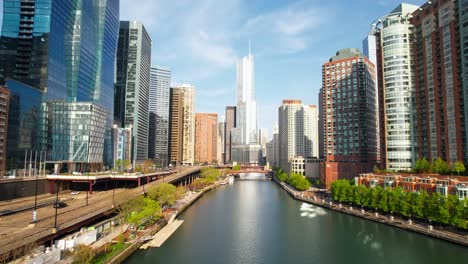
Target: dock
[[163, 235]]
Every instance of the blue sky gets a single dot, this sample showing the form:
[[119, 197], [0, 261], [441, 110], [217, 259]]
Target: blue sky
[[201, 40]]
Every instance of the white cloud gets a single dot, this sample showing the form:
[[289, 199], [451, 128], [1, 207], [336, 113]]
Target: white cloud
[[286, 30]]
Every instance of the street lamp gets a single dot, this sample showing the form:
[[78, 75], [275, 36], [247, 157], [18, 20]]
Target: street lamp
[[87, 191], [56, 205], [35, 197], [113, 191]]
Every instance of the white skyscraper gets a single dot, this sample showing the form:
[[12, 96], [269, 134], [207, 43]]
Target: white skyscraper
[[245, 147], [298, 132]]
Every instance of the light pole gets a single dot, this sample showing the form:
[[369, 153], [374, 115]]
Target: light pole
[[113, 191], [87, 191], [56, 205], [35, 197]]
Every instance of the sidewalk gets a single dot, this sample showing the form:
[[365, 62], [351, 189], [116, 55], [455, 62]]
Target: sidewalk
[[396, 222]]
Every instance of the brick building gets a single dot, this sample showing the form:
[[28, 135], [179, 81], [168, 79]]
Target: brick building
[[348, 116]]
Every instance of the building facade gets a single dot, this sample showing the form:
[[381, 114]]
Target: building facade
[[439, 92], [398, 87], [463, 28], [230, 124], [349, 116], [59, 51], [244, 137], [76, 135], [182, 125], [122, 138], [298, 132], [133, 84], [222, 142], [206, 137], [158, 136], [4, 109]]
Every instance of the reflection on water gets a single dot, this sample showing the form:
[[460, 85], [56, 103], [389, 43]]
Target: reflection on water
[[311, 211], [258, 222]]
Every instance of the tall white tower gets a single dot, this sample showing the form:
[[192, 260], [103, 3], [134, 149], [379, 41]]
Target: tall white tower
[[246, 105], [245, 147]]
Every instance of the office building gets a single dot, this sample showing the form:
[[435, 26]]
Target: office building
[[47, 56], [133, 83], [349, 116], [83, 122], [182, 125], [122, 138], [158, 136], [4, 109], [230, 124], [206, 137]]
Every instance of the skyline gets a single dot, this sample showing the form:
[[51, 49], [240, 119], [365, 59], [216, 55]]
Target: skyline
[[226, 33], [284, 35]]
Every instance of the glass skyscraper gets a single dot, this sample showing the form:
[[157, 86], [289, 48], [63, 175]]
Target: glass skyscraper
[[63, 49], [133, 84], [158, 136]]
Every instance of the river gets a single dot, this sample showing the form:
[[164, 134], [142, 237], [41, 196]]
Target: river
[[257, 222]]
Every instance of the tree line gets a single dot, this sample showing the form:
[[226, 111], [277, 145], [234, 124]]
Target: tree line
[[295, 180], [421, 205]]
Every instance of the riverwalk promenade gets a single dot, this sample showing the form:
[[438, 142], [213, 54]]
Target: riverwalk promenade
[[376, 217]]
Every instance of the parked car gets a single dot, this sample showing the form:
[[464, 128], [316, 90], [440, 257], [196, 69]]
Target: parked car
[[60, 205]]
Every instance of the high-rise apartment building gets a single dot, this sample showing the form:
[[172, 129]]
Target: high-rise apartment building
[[206, 137], [230, 124], [439, 92], [133, 84], [56, 51], [182, 125], [463, 29], [398, 87], [222, 143], [349, 116], [4, 108], [372, 49], [158, 136], [298, 135], [245, 147]]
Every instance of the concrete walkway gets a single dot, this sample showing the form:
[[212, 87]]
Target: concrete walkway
[[163, 235]]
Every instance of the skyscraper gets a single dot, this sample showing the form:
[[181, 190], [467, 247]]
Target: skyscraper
[[298, 134], [398, 87], [158, 141], [230, 124], [133, 82], [349, 116], [62, 51], [439, 93], [463, 27], [222, 142], [206, 137], [182, 125], [245, 147]]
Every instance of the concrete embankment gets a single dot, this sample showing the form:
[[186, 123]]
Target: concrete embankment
[[395, 222]]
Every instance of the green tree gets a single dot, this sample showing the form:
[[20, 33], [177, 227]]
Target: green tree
[[417, 205], [422, 165], [164, 194], [383, 201], [440, 166], [458, 167], [236, 168], [118, 164], [145, 209]]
